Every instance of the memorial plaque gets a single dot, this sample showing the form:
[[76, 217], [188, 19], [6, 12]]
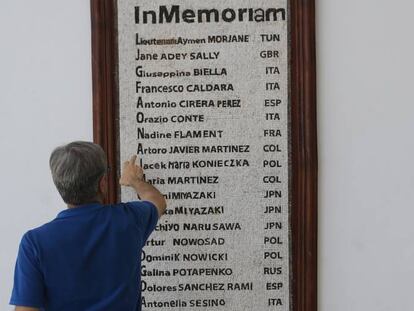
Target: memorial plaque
[[217, 100]]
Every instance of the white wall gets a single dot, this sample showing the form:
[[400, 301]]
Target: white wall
[[365, 66], [366, 123], [45, 100]]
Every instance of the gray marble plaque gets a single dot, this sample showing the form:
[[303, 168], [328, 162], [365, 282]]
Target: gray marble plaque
[[203, 101]]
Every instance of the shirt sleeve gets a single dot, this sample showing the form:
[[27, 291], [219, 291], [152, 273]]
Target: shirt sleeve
[[28, 289], [147, 216]]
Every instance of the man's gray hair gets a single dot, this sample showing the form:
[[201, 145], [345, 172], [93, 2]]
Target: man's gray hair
[[76, 171]]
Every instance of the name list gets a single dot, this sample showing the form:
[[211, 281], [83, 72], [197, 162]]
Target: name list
[[203, 89]]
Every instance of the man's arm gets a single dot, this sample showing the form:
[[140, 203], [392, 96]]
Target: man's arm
[[133, 176], [18, 308], [28, 289]]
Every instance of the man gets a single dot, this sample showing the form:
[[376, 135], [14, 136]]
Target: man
[[88, 258]]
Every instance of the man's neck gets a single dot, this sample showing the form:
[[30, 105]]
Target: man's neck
[[98, 200]]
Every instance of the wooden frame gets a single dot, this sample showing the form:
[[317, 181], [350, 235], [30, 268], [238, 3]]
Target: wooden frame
[[303, 132]]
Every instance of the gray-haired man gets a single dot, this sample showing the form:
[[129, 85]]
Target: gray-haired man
[[88, 257]]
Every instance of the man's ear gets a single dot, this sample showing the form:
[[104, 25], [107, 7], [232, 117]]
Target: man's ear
[[103, 185]]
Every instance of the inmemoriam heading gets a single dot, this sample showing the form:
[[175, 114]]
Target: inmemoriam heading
[[174, 14]]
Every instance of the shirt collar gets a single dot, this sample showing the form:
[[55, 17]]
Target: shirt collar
[[80, 209]]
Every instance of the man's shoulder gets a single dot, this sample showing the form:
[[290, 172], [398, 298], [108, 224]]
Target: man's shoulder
[[138, 205], [44, 229], [141, 211], [129, 206], [33, 237]]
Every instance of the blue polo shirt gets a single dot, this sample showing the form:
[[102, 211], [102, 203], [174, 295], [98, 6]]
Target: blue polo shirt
[[87, 259]]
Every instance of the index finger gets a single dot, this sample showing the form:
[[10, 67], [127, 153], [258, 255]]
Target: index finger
[[133, 159]]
